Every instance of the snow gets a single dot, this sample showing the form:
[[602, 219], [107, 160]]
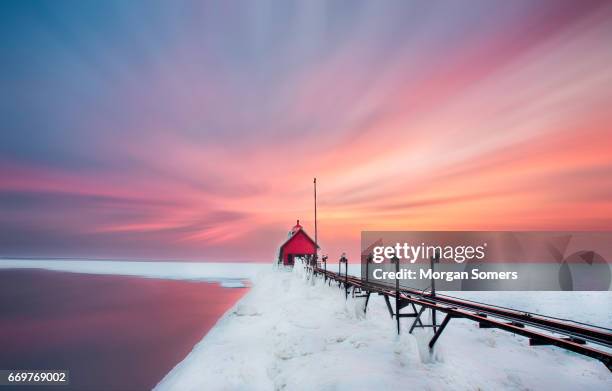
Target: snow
[[297, 334], [228, 275]]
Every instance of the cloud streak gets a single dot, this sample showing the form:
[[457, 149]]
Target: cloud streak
[[160, 131]]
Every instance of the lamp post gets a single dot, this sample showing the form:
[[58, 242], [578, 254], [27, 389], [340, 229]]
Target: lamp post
[[395, 260], [324, 259], [368, 261], [315, 220], [345, 261], [434, 259]]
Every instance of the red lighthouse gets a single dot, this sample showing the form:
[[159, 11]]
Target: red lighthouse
[[299, 244]]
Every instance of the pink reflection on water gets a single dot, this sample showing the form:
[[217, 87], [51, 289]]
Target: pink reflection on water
[[111, 332]]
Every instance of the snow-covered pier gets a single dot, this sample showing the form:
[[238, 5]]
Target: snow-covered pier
[[295, 332], [541, 330]]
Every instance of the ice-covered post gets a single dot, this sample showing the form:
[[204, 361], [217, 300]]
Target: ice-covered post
[[368, 261], [434, 259], [324, 259], [346, 277], [345, 261], [395, 260]]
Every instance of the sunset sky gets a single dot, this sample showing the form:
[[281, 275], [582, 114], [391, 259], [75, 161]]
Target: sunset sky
[[192, 131]]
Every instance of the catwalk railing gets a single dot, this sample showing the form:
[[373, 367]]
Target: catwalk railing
[[589, 340]]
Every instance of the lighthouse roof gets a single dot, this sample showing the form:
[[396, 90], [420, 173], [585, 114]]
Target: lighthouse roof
[[295, 228]]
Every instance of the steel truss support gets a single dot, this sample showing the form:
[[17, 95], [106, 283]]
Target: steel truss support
[[440, 330], [365, 307], [417, 319], [388, 305], [399, 305]]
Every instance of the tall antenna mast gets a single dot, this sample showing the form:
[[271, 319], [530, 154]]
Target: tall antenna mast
[[315, 216]]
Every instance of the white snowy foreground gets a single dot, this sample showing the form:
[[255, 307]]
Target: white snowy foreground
[[289, 333]]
